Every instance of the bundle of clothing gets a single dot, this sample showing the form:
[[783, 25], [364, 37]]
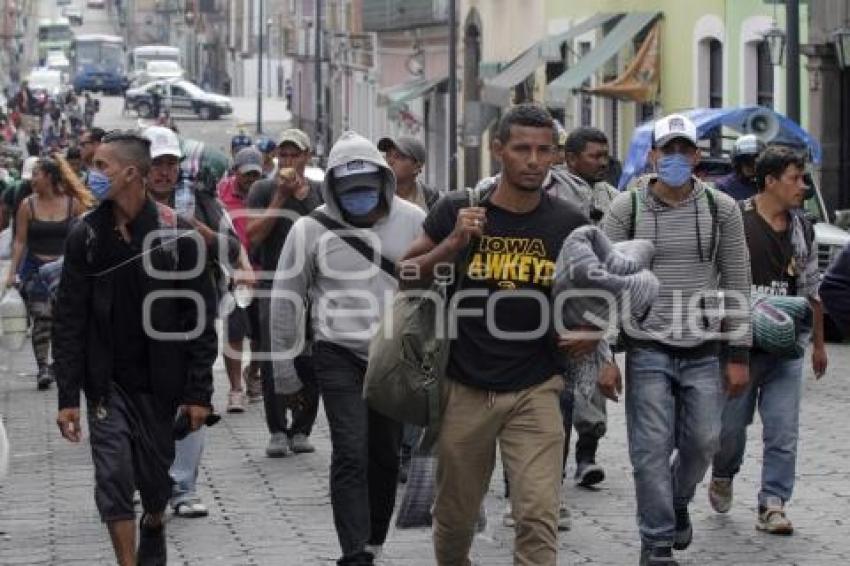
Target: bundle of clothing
[[609, 285]]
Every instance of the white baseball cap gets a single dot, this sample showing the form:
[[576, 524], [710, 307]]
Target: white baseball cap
[[356, 174], [671, 127], [163, 142]]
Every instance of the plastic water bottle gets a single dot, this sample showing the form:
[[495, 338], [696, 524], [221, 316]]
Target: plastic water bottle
[[184, 200], [13, 320]]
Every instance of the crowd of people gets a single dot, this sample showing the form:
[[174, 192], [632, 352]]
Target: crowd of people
[[299, 271]]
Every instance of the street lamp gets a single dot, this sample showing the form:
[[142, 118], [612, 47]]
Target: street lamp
[[841, 41], [775, 39]]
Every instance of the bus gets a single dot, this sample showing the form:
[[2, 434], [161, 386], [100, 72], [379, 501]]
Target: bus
[[54, 35], [140, 56], [97, 62]]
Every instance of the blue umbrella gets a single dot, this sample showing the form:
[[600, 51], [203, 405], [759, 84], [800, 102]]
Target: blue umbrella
[[707, 121]]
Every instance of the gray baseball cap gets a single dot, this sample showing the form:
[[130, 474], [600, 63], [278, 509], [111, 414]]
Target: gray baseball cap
[[248, 159], [407, 145], [296, 137]]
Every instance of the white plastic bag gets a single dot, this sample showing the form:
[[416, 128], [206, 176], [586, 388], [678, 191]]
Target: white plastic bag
[[6, 243], [13, 320]]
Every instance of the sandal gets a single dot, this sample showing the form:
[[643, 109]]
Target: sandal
[[191, 509]]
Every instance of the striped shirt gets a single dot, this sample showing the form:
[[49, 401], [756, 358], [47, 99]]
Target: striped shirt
[[700, 287]]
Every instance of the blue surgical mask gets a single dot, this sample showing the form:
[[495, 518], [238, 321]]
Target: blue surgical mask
[[674, 170], [99, 184], [359, 202]]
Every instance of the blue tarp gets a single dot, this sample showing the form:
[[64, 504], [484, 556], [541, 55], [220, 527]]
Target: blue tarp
[[707, 121]]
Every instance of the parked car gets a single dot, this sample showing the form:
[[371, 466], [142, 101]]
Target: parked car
[[179, 97], [74, 15], [159, 70]]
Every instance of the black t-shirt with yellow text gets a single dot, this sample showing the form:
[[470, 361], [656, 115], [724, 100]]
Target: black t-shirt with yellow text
[[506, 342]]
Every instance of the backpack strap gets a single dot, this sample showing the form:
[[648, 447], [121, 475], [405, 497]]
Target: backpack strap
[[635, 212], [358, 244], [711, 199]]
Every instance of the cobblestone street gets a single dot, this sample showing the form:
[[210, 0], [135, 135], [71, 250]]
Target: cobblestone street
[[265, 511]]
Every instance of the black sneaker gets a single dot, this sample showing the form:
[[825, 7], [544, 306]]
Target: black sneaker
[[44, 378], [684, 530], [657, 556], [589, 473], [152, 550], [362, 558]]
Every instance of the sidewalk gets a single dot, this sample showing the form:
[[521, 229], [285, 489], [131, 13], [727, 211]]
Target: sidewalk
[[267, 511]]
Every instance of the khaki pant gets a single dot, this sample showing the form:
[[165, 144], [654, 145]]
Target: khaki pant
[[530, 432]]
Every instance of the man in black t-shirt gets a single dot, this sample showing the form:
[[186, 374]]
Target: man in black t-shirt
[[504, 380], [275, 205], [783, 263]]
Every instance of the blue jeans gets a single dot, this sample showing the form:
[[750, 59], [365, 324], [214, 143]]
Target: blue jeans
[[671, 403], [184, 470], [776, 385]]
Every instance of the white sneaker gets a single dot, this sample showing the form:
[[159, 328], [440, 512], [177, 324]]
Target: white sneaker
[[235, 402], [278, 446]]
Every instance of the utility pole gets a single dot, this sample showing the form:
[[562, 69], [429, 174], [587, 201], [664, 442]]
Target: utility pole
[[260, 70], [320, 95], [452, 94], [792, 19]]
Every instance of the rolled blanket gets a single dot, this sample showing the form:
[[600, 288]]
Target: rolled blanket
[[589, 261], [781, 324], [618, 276]]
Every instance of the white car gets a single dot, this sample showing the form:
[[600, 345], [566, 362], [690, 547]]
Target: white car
[[48, 81], [159, 70], [179, 97], [57, 60]]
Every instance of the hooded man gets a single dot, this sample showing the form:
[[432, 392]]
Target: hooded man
[[347, 293]]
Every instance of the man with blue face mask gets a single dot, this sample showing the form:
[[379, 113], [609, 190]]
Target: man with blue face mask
[[348, 293], [675, 381]]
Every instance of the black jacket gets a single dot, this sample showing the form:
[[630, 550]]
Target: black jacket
[[834, 291], [82, 325]]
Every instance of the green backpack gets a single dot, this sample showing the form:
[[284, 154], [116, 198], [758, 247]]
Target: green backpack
[[409, 353]]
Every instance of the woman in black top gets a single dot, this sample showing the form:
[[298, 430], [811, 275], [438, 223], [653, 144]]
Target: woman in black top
[[42, 223]]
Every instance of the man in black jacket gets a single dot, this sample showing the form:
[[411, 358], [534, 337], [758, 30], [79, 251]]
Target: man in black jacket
[[134, 329]]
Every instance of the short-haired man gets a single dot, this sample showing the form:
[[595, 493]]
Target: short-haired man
[[674, 382], [347, 293], [783, 262], [274, 205], [406, 156], [89, 142], [134, 380], [581, 180], [502, 390]]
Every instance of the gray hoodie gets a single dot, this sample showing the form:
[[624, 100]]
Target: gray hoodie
[[347, 293]]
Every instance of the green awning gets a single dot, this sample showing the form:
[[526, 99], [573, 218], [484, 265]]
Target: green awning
[[410, 90], [498, 89], [626, 29]]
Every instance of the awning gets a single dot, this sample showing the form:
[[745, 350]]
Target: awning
[[498, 90], [410, 90], [561, 88]]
